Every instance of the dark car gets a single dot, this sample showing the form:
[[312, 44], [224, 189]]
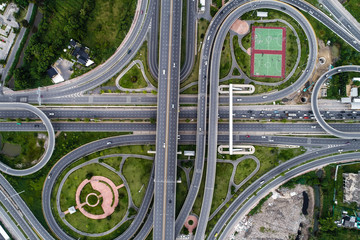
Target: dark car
[[129, 51]]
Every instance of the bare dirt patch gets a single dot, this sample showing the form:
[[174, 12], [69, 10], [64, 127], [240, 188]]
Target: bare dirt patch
[[281, 216]]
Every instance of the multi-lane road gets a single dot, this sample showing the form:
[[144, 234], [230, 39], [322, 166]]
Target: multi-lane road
[[162, 215]]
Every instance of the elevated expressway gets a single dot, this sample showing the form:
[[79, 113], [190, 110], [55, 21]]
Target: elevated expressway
[[315, 107], [50, 145], [167, 119], [189, 43]]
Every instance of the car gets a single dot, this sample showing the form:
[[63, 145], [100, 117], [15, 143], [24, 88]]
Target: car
[[264, 96], [247, 136], [142, 12], [306, 117], [199, 129], [36, 125], [339, 70], [129, 51], [216, 234], [51, 114], [238, 99], [262, 181], [313, 126], [263, 136], [108, 143], [164, 145], [49, 176]]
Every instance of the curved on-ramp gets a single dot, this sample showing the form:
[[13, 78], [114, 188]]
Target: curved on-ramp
[[51, 140], [315, 105]]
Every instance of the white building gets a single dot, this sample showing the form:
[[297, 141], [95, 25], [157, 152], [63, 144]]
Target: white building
[[262, 14], [345, 100], [202, 5], [354, 92]]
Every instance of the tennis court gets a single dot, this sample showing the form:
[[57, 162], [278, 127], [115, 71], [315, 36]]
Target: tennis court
[[269, 65]]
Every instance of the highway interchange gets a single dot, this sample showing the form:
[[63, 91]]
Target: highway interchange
[[205, 132]]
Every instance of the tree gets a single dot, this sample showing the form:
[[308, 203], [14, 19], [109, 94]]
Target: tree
[[327, 224], [25, 23]]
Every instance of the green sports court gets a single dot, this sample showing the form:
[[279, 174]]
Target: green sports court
[[268, 52], [267, 64]]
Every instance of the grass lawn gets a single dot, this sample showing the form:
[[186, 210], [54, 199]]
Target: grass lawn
[[223, 174], [137, 173], [199, 198], [133, 79], [110, 18], [244, 169], [181, 190], [67, 199], [234, 81], [112, 162], [67, 196], [32, 184], [225, 61], [21, 149]]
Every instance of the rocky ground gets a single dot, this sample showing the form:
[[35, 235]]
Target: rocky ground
[[281, 217]]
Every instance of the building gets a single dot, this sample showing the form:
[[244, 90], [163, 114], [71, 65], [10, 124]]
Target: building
[[189, 153], [262, 14], [80, 53], [354, 92], [202, 5], [3, 234], [356, 79], [346, 100], [355, 105], [54, 75]]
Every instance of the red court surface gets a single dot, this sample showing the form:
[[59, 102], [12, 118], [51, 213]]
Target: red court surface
[[261, 45]]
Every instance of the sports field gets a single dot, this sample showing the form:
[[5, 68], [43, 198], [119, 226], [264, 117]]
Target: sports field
[[267, 65], [268, 48], [268, 39]]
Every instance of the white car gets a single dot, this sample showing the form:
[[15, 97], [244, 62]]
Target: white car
[[313, 126], [108, 143]]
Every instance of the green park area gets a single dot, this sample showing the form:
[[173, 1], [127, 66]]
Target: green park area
[[86, 21], [80, 221], [33, 184], [244, 60], [137, 173], [244, 169], [326, 212], [133, 79], [21, 149]]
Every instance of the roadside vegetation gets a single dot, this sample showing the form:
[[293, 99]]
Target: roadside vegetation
[[194, 75], [244, 169], [86, 21], [32, 184], [137, 173], [225, 60], [133, 79], [269, 158], [21, 149]]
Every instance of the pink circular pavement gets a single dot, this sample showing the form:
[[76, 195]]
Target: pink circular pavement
[[192, 226], [240, 27], [108, 192]]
